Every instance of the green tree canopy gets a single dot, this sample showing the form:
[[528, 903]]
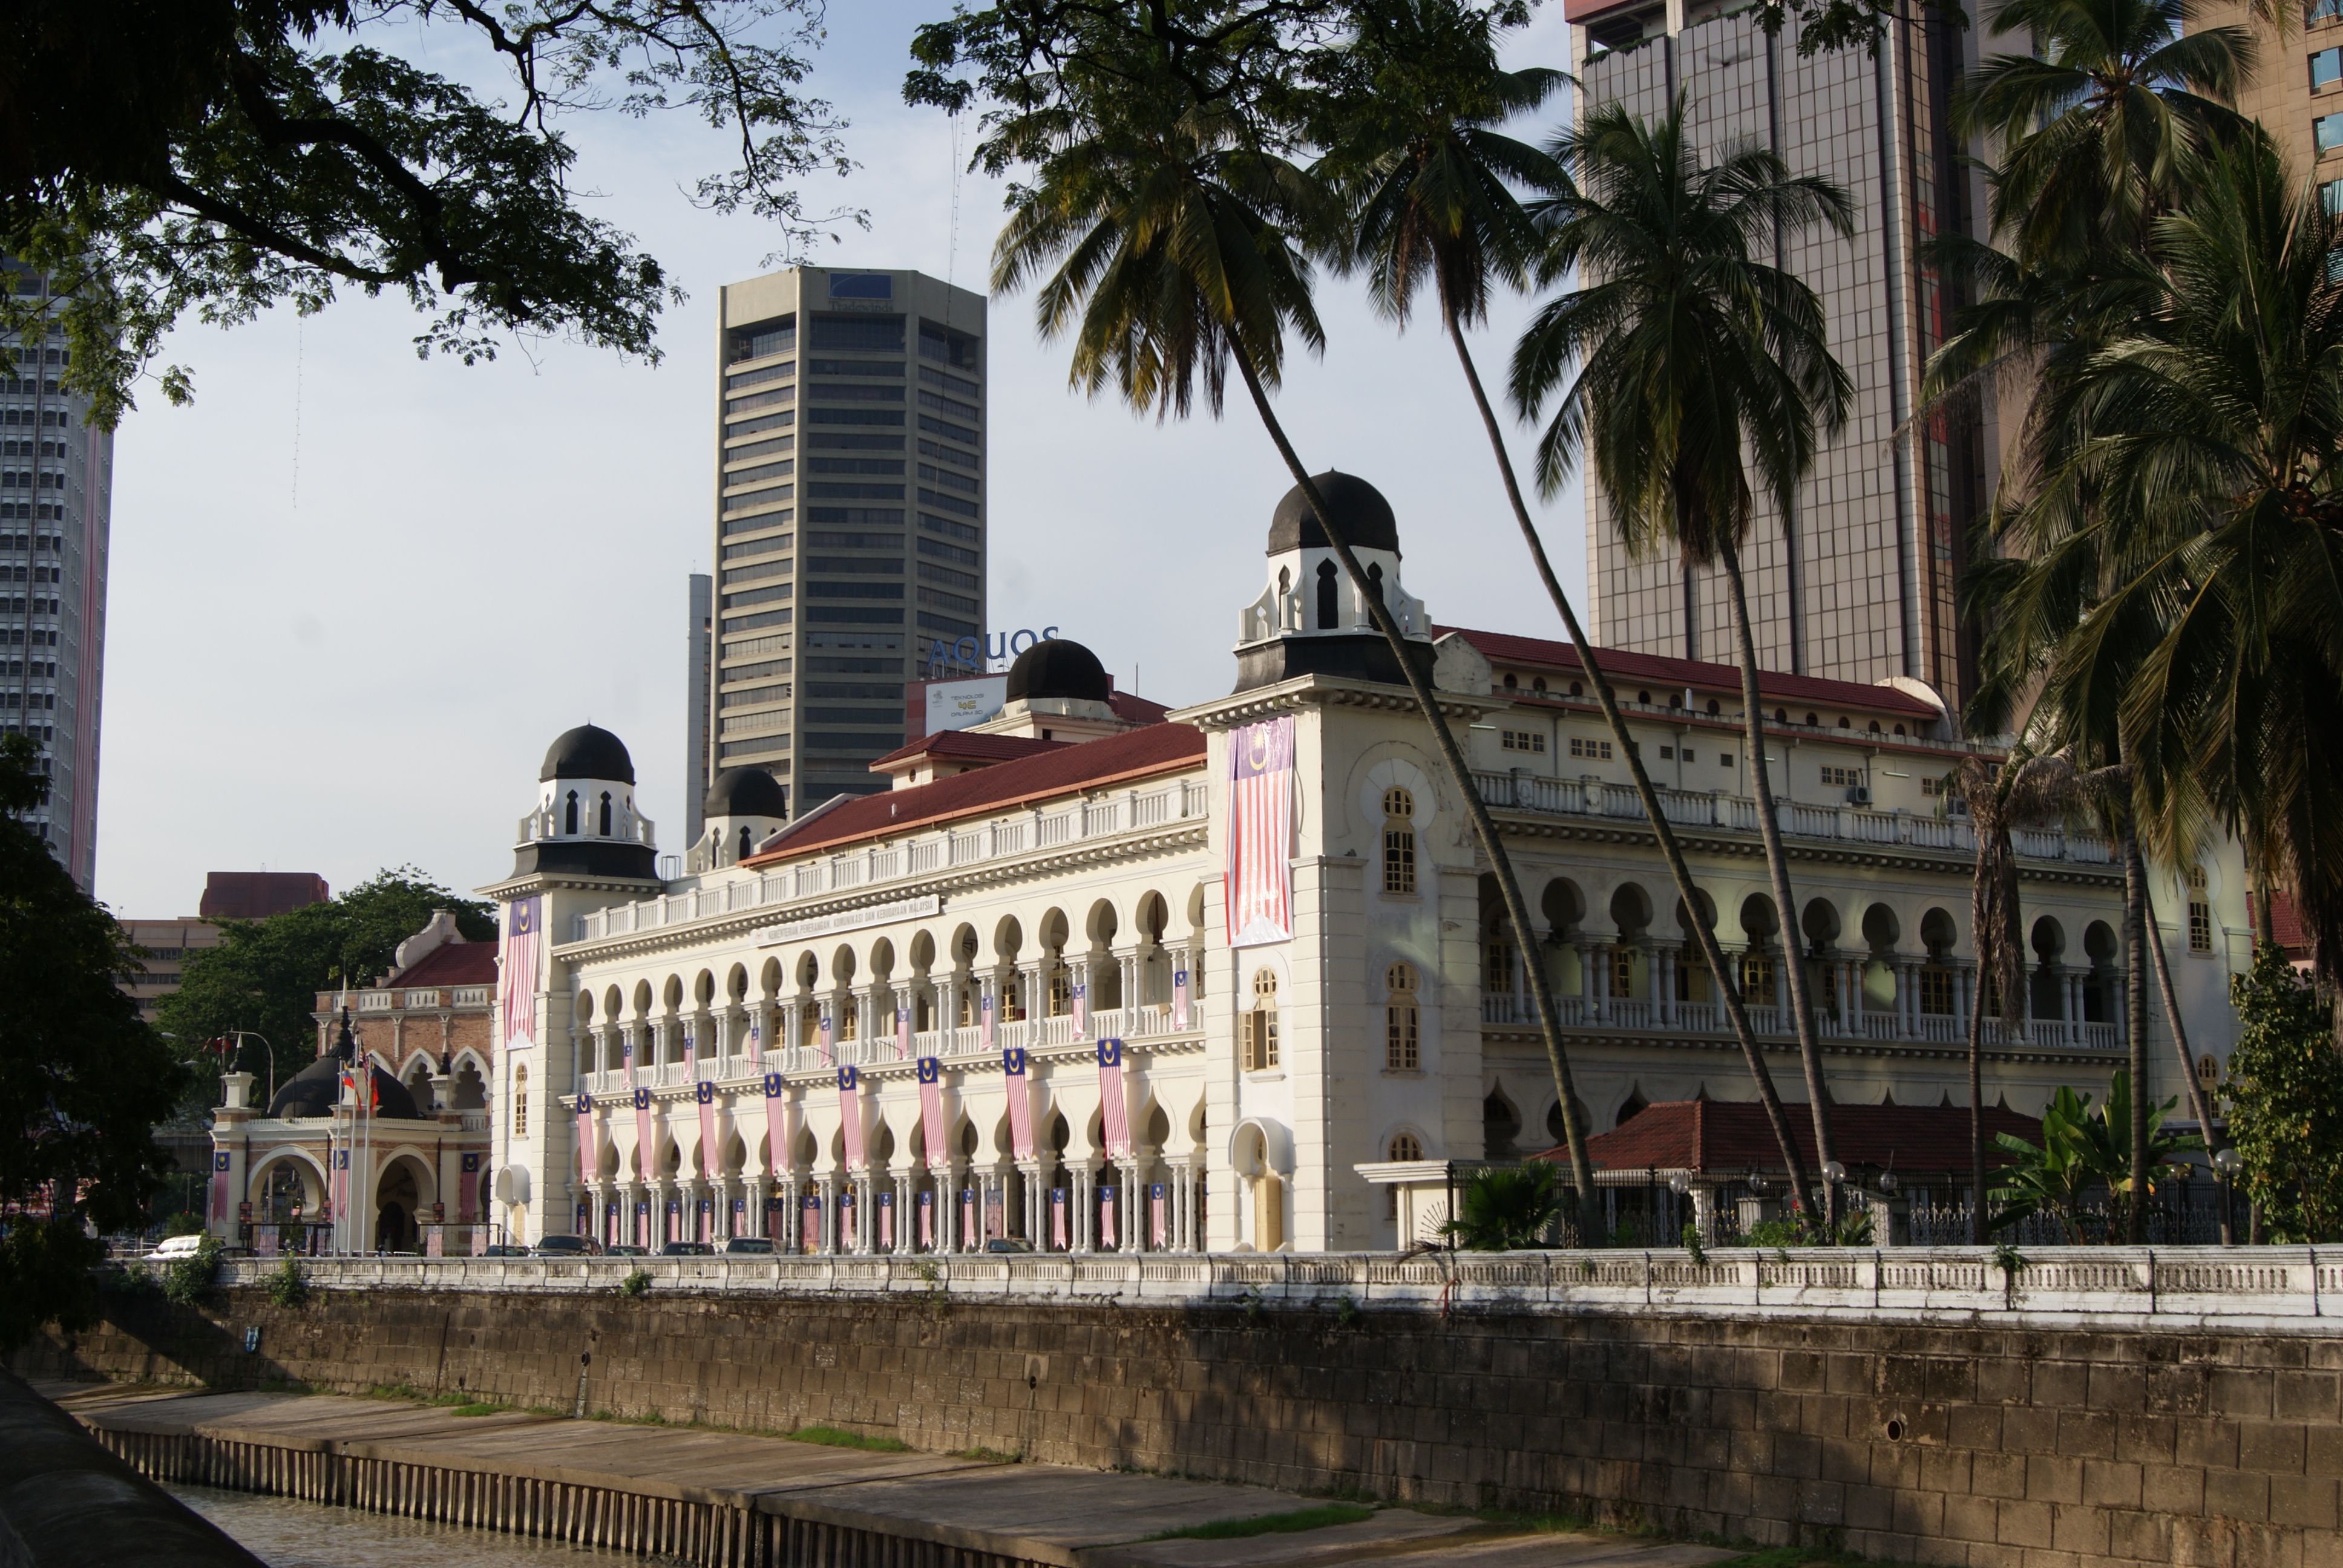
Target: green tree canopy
[[83, 1081], [265, 975], [2285, 1089], [218, 157]]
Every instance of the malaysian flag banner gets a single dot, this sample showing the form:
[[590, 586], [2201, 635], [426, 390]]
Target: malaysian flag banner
[[756, 1041], [517, 970], [993, 1217], [1180, 996], [777, 1143], [809, 1230], [467, 1186], [932, 1112], [585, 1140], [705, 1093], [1080, 1006], [828, 1058], [902, 1033], [642, 1224], [1021, 1102], [967, 1216], [927, 1202], [849, 1111], [846, 1237], [341, 1181], [1260, 831], [1155, 1215], [1114, 1107], [220, 1184], [703, 1219], [984, 1022], [886, 1222], [646, 1157], [1106, 1217], [1058, 1217]]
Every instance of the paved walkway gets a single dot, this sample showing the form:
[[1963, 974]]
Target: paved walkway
[[1046, 1513]]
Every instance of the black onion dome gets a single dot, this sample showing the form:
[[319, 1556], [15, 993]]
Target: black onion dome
[[588, 751], [1059, 668], [316, 1088], [746, 792], [1359, 510]]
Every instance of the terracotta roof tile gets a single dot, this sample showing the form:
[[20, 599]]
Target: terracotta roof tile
[[1061, 770], [453, 963], [1724, 1135], [1625, 667], [961, 743]]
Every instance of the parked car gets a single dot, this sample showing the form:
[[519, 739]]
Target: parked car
[[686, 1249], [502, 1250], [566, 1246], [1008, 1244], [625, 1252], [172, 1248], [738, 1245]]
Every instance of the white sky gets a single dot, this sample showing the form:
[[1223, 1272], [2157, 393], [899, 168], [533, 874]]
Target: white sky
[[354, 595]]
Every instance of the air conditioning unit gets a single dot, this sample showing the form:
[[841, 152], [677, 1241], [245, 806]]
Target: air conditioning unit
[[1857, 795]]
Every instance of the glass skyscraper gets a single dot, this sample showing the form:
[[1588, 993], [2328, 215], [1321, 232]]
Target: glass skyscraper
[[849, 530], [56, 476]]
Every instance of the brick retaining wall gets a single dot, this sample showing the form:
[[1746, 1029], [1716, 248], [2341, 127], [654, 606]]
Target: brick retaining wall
[[1990, 1446]]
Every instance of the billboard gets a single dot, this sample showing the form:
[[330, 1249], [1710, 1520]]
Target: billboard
[[957, 704]]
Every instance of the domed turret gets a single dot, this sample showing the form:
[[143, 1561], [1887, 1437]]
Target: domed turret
[[744, 806], [589, 751], [1358, 509], [1060, 668], [584, 821], [1312, 618], [316, 1088]]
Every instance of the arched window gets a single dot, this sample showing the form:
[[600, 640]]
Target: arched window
[[747, 840], [1538, 686], [1400, 1054], [1061, 990], [606, 813], [520, 1102], [1399, 841], [1330, 608], [1512, 681], [2200, 913], [1375, 580], [1757, 977], [1284, 581], [1406, 1146], [1935, 990], [1261, 1024], [849, 1016], [569, 814], [1623, 970]]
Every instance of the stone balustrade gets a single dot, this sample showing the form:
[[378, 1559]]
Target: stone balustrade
[[2296, 1288]]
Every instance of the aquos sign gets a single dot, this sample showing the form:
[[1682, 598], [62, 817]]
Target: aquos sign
[[965, 653]]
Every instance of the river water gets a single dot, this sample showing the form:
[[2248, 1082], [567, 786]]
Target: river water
[[286, 1533]]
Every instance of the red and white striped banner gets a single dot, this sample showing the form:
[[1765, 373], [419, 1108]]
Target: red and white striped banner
[[1021, 1102], [585, 1138], [1114, 1107], [1259, 833], [1079, 1004], [1058, 1217], [1106, 1202], [931, 1113], [903, 1034], [849, 1111], [1155, 1214], [517, 970]]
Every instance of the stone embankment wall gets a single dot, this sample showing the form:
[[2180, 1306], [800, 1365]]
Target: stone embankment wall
[[1985, 1446]]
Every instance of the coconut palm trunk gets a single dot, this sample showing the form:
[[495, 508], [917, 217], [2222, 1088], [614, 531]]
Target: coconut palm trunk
[[1728, 989], [2136, 1028], [1517, 914], [1777, 869]]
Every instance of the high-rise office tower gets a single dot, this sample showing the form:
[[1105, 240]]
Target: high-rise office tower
[[56, 479], [1857, 584], [2296, 89], [699, 737], [851, 515]]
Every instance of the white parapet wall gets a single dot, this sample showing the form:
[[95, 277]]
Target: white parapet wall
[[2239, 1289]]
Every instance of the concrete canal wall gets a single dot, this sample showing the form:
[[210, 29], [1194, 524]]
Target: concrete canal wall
[[2041, 1438]]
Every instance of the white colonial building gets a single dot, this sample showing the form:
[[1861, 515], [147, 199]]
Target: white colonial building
[[882, 1026]]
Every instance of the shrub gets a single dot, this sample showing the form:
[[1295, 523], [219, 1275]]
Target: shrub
[[187, 1282], [2285, 1090], [637, 1283], [186, 1222], [287, 1287]]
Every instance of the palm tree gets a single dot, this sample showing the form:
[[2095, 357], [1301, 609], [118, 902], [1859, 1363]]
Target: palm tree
[[1504, 1208], [1173, 243], [2217, 437], [1428, 189], [1680, 351]]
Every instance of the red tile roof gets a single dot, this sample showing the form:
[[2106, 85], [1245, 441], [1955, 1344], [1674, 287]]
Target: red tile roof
[[1133, 708], [1626, 669], [453, 963], [1060, 770], [1724, 1135], [961, 743]]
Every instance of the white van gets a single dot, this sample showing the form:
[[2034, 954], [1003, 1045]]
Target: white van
[[175, 1247]]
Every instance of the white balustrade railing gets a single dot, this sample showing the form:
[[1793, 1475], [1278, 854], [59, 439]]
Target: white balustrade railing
[[1853, 824], [1132, 812], [2296, 1288]]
